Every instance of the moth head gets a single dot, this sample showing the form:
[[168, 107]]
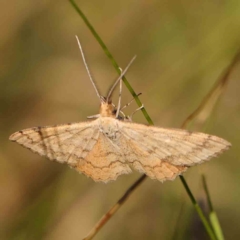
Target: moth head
[[107, 109]]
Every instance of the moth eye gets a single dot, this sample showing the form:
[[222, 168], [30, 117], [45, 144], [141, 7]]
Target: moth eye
[[120, 118]]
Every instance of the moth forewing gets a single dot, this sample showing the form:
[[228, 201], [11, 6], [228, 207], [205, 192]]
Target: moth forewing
[[176, 146]]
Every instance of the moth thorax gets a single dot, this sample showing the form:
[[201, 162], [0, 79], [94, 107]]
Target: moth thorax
[[107, 110]]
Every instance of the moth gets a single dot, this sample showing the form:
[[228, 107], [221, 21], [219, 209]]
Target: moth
[[111, 145]]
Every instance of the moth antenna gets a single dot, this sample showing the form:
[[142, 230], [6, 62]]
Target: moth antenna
[[120, 77], [86, 66]]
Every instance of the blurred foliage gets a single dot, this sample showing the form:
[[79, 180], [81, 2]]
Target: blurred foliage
[[182, 49]]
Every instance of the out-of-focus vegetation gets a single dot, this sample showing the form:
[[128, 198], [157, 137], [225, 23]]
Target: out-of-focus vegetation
[[182, 48]]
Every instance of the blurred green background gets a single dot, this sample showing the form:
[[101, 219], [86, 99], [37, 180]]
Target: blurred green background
[[182, 48]]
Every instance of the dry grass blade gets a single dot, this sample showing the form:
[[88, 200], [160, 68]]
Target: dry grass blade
[[114, 209], [205, 108]]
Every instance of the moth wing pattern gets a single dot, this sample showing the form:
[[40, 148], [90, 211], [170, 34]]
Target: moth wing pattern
[[58, 142], [164, 153]]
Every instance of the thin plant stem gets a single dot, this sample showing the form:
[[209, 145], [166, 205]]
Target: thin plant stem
[[213, 216], [202, 112], [199, 210], [105, 218], [114, 209], [205, 187]]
